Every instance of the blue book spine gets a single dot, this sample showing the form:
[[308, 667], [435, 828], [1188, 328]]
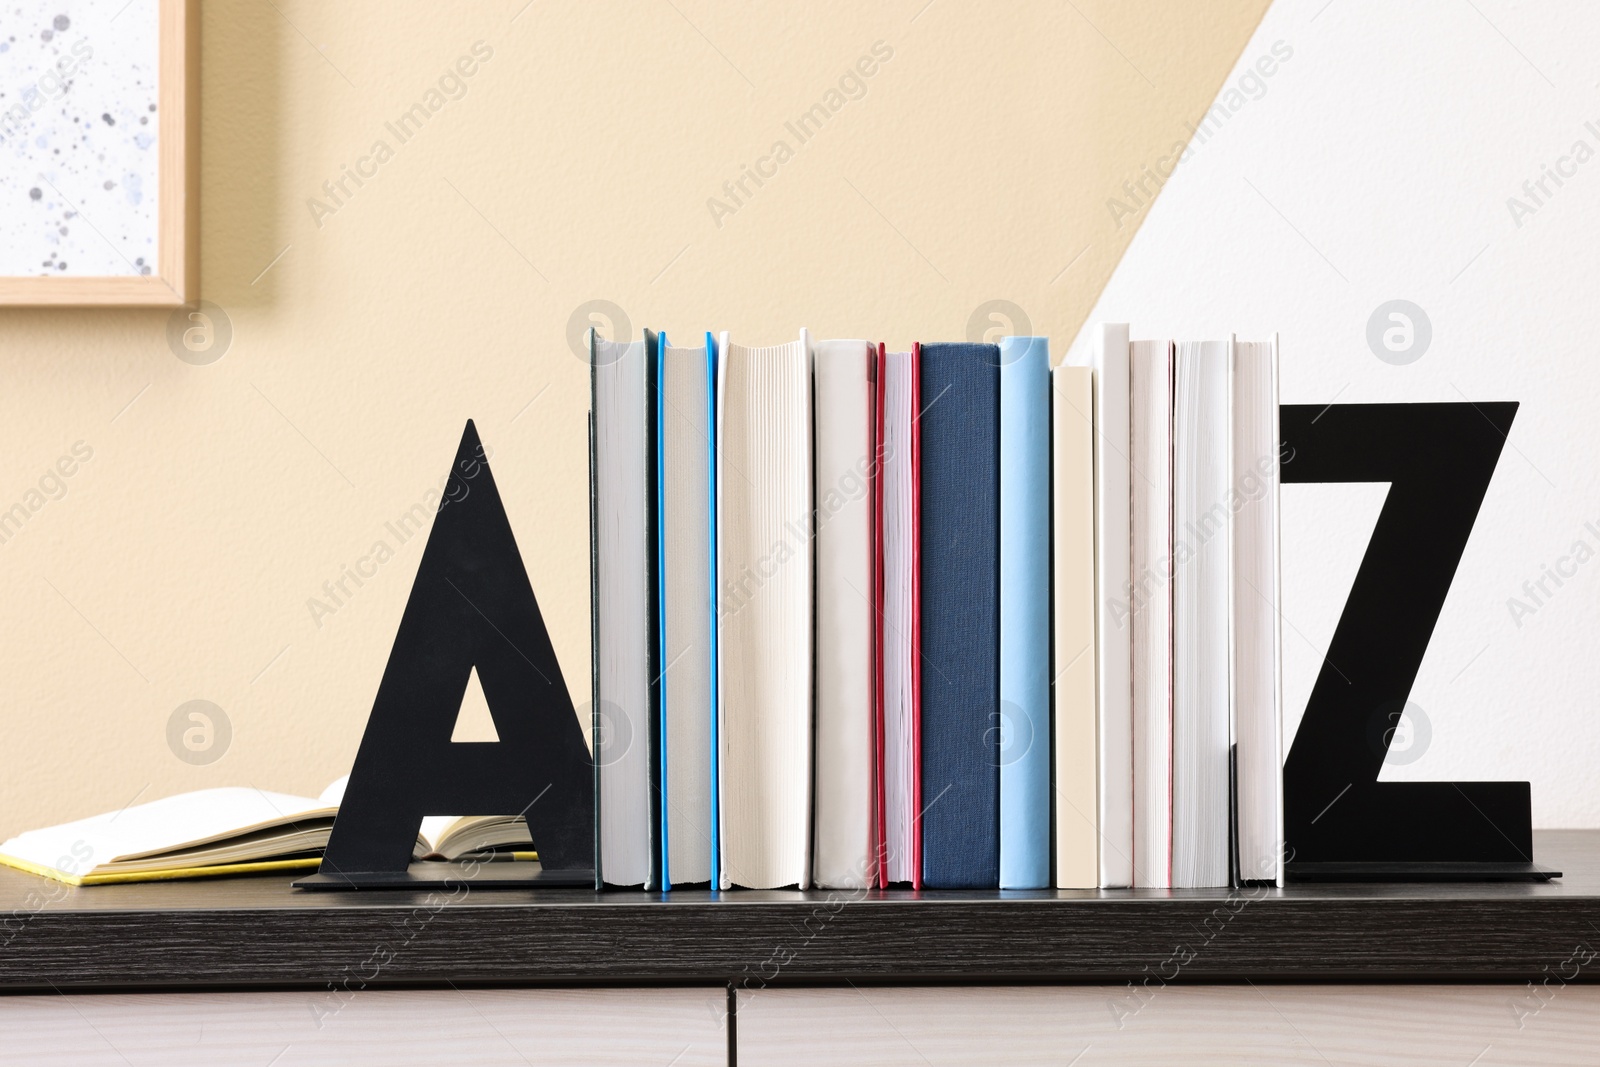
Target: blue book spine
[[1024, 613], [658, 399], [959, 405]]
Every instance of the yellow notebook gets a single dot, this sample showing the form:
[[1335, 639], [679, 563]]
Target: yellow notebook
[[231, 830]]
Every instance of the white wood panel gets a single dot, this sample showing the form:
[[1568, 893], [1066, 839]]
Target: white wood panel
[[1483, 1026], [510, 1027]]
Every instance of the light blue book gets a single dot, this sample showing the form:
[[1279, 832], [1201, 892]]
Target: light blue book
[[1024, 753], [686, 595]]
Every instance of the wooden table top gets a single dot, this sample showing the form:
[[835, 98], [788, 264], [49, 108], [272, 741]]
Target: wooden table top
[[259, 932]]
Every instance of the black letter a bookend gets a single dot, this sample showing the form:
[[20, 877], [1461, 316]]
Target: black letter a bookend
[[470, 607]]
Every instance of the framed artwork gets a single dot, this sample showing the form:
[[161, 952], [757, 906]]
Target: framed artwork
[[99, 120]]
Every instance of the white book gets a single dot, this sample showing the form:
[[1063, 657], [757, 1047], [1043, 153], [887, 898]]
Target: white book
[[764, 612], [1113, 630], [623, 625], [845, 849], [1077, 820], [902, 802], [230, 830], [1202, 588], [1150, 604], [688, 625], [1257, 632]]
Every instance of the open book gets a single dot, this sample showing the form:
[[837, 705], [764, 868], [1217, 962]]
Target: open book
[[233, 830]]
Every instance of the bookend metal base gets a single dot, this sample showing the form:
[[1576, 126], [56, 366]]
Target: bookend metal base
[[453, 877], [1300, 873]]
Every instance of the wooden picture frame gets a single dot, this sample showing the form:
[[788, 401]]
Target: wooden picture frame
[[174, 279]]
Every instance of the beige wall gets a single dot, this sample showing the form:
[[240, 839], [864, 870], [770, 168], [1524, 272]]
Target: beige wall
[[577, 166]]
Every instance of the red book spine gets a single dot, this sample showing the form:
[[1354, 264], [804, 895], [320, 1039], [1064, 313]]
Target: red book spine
[[916, 613], [880, 797]]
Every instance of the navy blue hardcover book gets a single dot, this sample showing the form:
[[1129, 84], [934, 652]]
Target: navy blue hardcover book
[[959, 423]]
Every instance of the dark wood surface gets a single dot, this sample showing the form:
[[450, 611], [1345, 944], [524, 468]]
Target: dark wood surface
[[257, 931]]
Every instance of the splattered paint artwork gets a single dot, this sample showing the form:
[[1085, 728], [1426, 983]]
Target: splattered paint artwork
[[79, 166]]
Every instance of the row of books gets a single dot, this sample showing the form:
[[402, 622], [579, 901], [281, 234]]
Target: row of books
[[945, 617]]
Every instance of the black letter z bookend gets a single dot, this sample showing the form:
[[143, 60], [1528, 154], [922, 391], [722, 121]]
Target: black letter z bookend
[[1341, 823], [470, 607]]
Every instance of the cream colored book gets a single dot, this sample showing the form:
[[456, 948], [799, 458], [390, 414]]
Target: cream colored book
[[1077, 821], [621, 399], [1257, 639], [1202, 526], [1147, 606], [764, 612], [230, 830], [688, 615], [1113, 635], [845, 853]]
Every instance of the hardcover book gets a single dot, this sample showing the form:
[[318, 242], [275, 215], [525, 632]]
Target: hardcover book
[[960, 615]]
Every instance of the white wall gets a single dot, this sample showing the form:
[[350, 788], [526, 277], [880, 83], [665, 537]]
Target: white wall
[[230, 490], [1376, 164]]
